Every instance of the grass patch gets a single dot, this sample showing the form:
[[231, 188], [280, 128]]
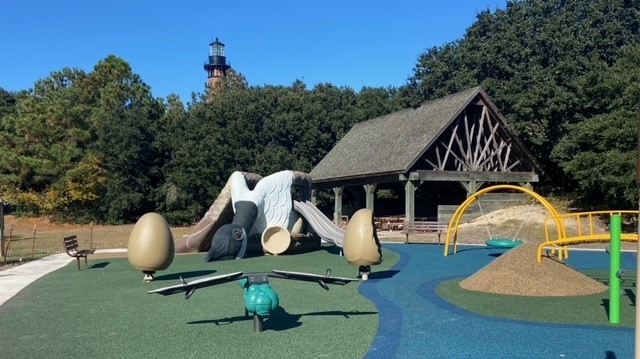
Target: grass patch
[[103, 311], [585, 310]]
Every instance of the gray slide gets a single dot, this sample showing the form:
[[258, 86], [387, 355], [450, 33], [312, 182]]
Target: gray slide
[[320, 224]]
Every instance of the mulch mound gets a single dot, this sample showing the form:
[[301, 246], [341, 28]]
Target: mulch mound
[[517, 272]]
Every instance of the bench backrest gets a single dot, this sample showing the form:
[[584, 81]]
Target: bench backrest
[[71, 243], [424, 225]]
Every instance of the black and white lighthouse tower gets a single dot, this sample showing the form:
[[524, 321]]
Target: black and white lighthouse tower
[[217, 66]]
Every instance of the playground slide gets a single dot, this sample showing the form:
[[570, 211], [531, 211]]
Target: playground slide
[[320, 224], [220, 213]]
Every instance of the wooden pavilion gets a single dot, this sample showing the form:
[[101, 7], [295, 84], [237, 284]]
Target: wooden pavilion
[[460, 138]]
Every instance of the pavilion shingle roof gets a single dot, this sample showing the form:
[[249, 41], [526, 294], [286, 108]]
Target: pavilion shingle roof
[[391, 143]]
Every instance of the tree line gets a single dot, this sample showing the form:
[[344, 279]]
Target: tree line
[[97, 146]]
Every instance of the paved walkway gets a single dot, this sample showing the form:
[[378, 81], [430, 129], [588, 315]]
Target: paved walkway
[[13, 280]]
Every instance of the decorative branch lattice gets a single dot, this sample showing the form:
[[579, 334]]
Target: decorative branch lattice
[[473, 142]]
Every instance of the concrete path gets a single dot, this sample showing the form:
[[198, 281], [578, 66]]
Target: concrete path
[[13, 280]]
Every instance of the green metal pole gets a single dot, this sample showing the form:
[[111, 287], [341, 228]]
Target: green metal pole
[[637, 330], [614, 270]]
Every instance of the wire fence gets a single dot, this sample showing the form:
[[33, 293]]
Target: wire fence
[[27, 241]]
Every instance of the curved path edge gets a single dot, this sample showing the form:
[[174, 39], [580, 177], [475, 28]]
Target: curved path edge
[[416, 322]]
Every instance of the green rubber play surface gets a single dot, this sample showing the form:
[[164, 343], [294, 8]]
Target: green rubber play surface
[[585, 310], [103, 311]]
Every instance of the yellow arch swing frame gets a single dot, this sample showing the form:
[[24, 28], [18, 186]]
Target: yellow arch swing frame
[[452, 229]]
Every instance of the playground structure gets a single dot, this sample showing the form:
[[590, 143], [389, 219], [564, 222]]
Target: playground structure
[[576, 228], [454, 223], [279, 222], [260, 299], [569, 228], [503, 243], [259, 215]]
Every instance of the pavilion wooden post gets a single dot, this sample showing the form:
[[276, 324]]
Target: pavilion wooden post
[[314, 193], [337, 212], [471, 187], [409, 201], [526, 185], [370, 193], [410, 185]]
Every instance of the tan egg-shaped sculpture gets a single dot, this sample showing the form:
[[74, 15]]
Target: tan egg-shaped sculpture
[[150, 246], [361, 245], [276, 240]]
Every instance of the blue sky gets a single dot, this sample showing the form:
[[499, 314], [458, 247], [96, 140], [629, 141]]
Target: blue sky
[[346, 43]]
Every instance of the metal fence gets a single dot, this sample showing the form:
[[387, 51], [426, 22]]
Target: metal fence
[[34, 240]]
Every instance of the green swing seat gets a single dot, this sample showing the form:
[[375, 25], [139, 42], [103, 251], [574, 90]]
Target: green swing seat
[[503, 242]]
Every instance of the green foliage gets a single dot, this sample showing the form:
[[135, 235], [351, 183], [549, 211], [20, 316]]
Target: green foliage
[[97, 146], [127, 119], [600, 152], [549, 66], [82, 145], [7, 103], [43, 140], [255, 129]]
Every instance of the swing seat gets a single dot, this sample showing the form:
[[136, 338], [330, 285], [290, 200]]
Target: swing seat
[[503, 242]]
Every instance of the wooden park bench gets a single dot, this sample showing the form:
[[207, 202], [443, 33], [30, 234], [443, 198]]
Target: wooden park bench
[[413, 227], [71, 247]]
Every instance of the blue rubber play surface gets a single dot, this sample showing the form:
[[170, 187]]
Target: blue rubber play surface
[[416, 323]]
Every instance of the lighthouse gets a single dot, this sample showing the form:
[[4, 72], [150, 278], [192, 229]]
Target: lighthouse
[[217, 66]]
